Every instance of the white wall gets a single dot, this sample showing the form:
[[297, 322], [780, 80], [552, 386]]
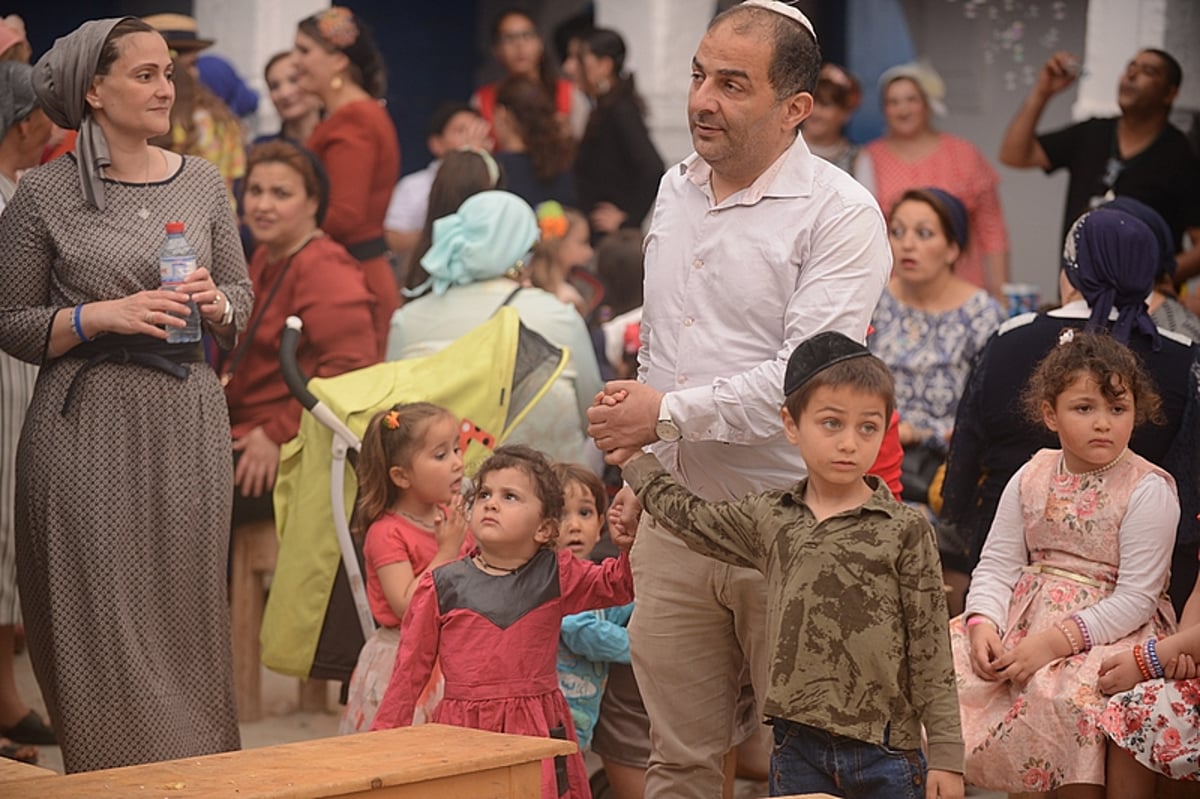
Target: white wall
[[247, 33], [661, 38]]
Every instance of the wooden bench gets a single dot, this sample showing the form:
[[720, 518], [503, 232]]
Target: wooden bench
[[11, 771], [432, 761]]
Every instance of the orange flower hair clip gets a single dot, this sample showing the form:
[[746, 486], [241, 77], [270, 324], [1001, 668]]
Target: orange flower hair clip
[[338, 27], [391, 420], [552, 220]]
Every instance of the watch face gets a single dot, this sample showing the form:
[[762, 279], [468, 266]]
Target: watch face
[[666, 430]]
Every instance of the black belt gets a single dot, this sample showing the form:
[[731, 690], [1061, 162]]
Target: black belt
[[366, 250], [146, 351]]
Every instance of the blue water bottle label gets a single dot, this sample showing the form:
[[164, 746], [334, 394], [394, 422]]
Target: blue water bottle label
[[174, 270]]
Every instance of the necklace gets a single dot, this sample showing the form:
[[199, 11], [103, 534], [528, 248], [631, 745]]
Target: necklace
[[483, 562], [421, 522], [1062, 466], [144, 212]]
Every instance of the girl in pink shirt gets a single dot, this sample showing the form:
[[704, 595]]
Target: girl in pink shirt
[[410, 472]]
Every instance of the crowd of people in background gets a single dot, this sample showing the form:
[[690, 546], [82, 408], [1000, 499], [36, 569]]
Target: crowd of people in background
[[1013, 491]]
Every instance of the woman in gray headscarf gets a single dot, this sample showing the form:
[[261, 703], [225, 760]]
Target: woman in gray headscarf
[[124, 470], [24, 130]]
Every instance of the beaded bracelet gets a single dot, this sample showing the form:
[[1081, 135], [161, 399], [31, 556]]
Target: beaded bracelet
[[1140, 659], [1152, 659], [1083, 630], [78, 324], [1065, 629]]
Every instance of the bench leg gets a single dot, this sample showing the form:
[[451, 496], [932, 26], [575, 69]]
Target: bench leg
[[255, 549]]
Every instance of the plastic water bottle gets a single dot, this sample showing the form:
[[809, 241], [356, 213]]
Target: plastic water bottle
[[176, 261]]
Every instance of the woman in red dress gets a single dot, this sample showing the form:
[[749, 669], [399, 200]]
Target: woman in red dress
[[338, 61]]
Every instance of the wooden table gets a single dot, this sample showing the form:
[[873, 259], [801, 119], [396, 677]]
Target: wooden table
[[432, 761]]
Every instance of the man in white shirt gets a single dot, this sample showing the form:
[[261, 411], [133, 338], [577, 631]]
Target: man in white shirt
[[452, 126], [754, 245]]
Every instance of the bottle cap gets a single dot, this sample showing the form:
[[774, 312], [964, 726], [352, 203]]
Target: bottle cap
[[174, 227]]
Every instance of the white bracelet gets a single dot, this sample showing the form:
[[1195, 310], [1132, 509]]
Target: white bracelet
[[227, 316]]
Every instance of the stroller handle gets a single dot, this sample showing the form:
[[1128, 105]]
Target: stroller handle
[[297, 381]]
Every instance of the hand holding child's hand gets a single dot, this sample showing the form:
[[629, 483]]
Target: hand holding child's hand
[[621, 455], [1022, 661], [623, 517], [610, 400], [451, 529], [943, 785], [985, 648], [1119, 673]]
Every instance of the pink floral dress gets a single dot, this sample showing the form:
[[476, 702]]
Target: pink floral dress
[[1046, 735], [1158, 722]]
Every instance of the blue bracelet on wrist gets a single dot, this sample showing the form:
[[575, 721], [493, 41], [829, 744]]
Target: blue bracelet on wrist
[[78, 324], [1152, 655]]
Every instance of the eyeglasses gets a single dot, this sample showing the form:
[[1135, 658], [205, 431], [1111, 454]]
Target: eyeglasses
[[519, 36]]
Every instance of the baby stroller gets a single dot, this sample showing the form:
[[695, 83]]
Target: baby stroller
[[317, 617]]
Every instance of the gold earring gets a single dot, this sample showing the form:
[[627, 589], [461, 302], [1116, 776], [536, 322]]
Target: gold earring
[[336, 83]]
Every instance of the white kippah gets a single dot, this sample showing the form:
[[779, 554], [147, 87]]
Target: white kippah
[[783, 9]]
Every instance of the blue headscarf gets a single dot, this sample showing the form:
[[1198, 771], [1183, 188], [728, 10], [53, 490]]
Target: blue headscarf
[[488, 235], [956, 211], [1112, 258], [222, 80], [1158, 226]]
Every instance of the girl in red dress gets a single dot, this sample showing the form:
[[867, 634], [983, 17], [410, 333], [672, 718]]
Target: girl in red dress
[[492, 619]]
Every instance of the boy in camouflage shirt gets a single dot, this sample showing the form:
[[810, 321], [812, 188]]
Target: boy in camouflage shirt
[[856, 620]]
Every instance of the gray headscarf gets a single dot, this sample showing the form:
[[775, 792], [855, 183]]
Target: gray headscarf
[[16, 94], [61, 79]]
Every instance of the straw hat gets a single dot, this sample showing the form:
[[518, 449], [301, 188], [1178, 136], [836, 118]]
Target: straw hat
[[179, 30]]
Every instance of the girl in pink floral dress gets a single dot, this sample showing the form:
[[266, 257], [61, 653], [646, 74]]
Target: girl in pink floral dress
[[1048, 602], [1155, 720]]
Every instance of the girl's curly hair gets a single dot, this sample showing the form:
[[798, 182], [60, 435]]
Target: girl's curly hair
[[1114, 366]]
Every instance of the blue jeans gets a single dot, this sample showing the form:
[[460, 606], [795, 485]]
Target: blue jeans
[[808, 760]]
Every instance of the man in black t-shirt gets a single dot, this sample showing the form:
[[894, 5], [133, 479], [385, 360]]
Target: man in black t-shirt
[[1138, 154]]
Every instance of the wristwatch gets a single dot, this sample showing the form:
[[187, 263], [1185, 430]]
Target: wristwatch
[[665, 428], [227, 316]]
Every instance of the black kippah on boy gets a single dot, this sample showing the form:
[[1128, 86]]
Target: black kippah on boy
[[816, 354]]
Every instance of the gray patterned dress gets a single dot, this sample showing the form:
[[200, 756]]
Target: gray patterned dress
[[123, 500]]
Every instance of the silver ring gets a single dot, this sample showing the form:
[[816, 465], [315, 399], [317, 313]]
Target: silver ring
[[216, 299]]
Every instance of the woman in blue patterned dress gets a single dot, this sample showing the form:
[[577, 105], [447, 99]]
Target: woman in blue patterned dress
[[930, 323]]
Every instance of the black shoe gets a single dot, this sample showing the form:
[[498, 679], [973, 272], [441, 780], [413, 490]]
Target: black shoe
[[31, 730]]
